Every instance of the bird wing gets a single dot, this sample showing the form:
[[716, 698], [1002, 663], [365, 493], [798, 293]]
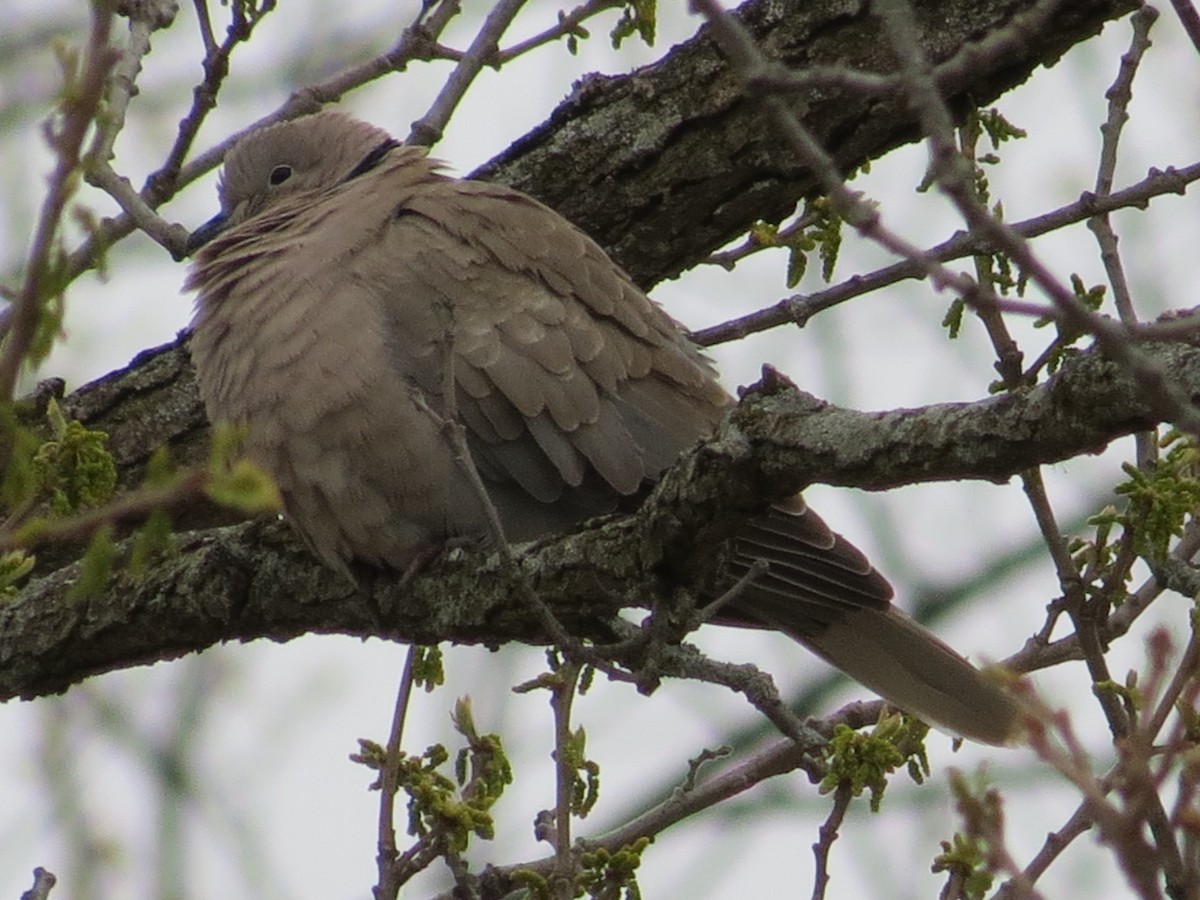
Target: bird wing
[[574, 388]]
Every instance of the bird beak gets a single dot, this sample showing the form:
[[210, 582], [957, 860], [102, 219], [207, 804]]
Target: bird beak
[[207, 232]]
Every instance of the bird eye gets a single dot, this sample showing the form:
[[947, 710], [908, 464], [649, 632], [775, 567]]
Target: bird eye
[[280, 174]]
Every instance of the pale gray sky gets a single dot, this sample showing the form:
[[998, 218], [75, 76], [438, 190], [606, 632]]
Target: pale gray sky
[[284, 722]]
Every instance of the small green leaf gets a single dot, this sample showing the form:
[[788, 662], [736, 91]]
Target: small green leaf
[[967, 855], [246, 487], [966, 858], [609, 875], [953, 320], [997, 128], [864, 760], [95, 567], [14, 566], [75, 470], [154, 539], [796, 267], [428, 668], [21, 481], [638, 17]]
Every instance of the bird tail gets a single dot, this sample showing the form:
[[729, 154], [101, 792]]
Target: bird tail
[[895, 657], [819, 589]]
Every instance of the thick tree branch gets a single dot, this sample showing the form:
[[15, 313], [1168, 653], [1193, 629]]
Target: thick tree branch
[[254, 580], [701, 170], [668, 164]]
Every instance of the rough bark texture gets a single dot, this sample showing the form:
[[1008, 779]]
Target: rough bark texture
[[667, 164], [662, 166], [254, 580]]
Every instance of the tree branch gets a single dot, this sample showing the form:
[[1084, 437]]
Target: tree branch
[[669, 163], [701, 171], [254, 580]]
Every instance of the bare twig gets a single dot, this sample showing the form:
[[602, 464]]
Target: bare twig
[[798, 309], [746, 57], [1137, 857], [1119, 97], [144, 19], [953, 176], [171, 236], [43, 881], [757, 570], [162, 184], [1124, 825], [451, 427], [1185, 673], [566, 680], [1056, 842], [568, 23], [828, 833], [207, 38], [1084, 616], [1038, 655], [390, 874], [43, 271], [776, 759], [1189, 19], [427, 130]]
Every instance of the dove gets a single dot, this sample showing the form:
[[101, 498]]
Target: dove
[[350, 295]]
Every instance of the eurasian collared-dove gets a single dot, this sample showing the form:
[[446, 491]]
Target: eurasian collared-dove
[[341, 269]]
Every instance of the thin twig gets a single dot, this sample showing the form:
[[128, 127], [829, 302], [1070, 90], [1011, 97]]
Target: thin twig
[[1122, 828], [727, 259], [1189, 19], [389, 780], [166, 181], [1056, 842], [1185, 672], [162, 183], [144, 19], [1009, 357], [561, 700], [828, 833], [757, 570], [427, 130], [779, 758], [799, 308], [171, 236], [204, 21], [1083, 613], [568, 24], [954, 179], [129, 508], [43, 881], [745, 56], [43, 271], [1040, 655], [448, 422], [1119, 96]]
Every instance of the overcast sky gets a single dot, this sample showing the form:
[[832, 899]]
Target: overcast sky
[[281, 720]]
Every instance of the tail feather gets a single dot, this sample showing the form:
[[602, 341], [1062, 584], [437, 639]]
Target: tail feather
[[909, 667], [822, 591]]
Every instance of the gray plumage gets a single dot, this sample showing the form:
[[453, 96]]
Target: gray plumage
[[344, 268]]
